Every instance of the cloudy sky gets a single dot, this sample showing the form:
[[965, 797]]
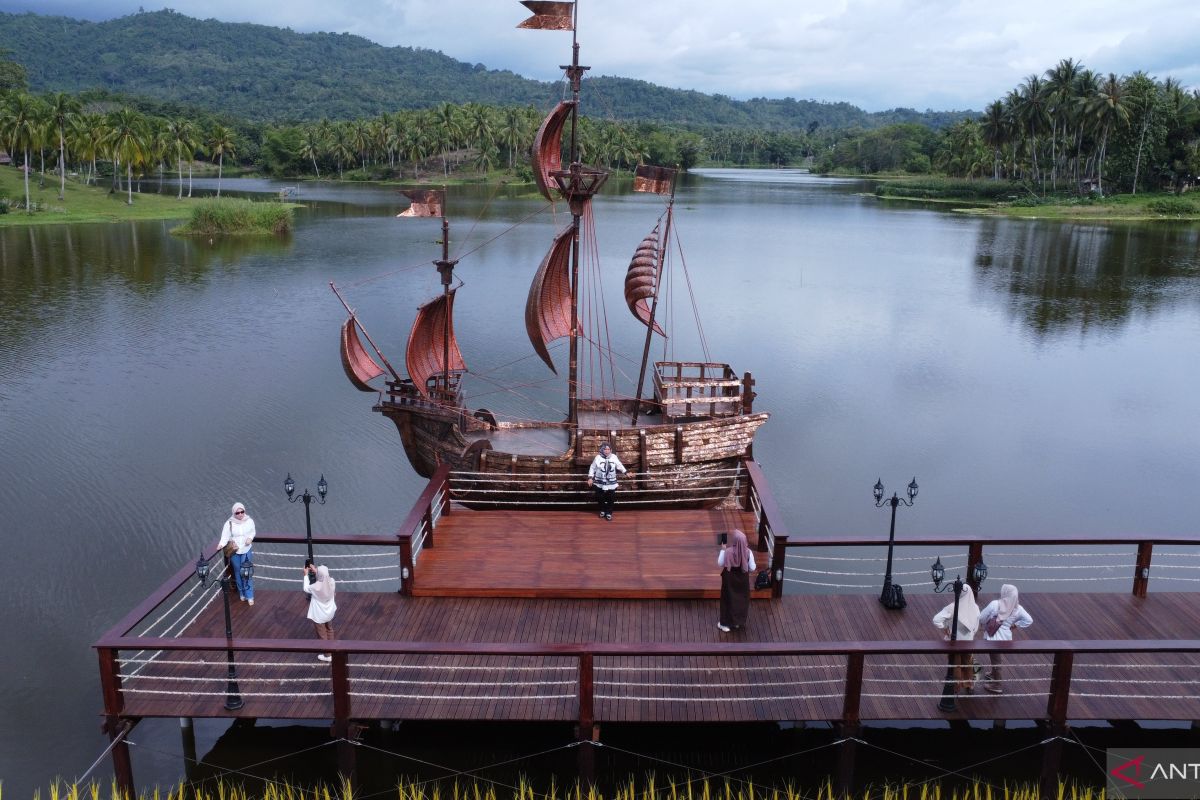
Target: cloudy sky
[[877, 54]]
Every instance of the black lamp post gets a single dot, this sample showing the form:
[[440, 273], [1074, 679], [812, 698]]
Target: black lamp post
[[289, 486], [891, 596], [938, 573], [233, 697]]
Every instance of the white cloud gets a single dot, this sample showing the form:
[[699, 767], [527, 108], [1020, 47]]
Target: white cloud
[[939, 54]]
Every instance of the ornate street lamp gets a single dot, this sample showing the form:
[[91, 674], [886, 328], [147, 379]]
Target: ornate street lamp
[[938, 573], [289, 486], [233, 697], [893, 596]]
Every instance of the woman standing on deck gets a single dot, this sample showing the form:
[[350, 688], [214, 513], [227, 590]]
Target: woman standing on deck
[[1009, 612], [321, 606], [736, 561], [239, 529], [968, 623]]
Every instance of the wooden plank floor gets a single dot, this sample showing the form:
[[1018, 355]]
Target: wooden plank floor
[[679, 689], [575, 554]]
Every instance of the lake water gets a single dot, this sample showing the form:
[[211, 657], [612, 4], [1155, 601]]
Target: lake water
[[1036, 377]]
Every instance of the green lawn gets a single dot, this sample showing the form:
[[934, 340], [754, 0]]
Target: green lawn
[[86, 203]]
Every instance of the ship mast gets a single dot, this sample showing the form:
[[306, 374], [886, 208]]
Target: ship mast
[[445, 268], [578, 184]]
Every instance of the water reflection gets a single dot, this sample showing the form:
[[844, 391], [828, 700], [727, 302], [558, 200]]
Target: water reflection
[[1062, 278]]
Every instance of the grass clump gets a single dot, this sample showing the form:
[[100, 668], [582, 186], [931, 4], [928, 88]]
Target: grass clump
[[948, 189], [1173, 207], [236, 217]]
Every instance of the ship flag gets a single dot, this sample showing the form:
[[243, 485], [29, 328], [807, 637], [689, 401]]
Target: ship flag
[[653, 179], [549, 15], [425, 202]]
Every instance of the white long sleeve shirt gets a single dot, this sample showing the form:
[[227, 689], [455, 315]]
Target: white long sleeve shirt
[[1019, 617], [603, 471], [242, 535]]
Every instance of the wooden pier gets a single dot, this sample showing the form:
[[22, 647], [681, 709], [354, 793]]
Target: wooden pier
[[615, 622]]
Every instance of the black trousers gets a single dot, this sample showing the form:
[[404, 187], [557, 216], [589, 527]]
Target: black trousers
[[605, 499]]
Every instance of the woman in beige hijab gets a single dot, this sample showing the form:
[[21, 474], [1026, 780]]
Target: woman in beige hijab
[[968, 624], [321, 606], [1009, 613]]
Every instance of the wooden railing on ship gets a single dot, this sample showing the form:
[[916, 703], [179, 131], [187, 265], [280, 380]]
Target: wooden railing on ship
[[977, 545]]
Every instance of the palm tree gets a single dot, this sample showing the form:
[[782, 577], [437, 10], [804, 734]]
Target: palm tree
[[126, 140], [448, 129], [220, 141], [182, 135], [311, 146], [63, 108], [1033, 109], [1110, 105], [1060, 82], [479, 128], [18, 126], [340, 146], [87, 134], [360, 140], [1144, 98], [995, 129]]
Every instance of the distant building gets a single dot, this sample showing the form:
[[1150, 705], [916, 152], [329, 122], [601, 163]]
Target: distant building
[[5, 158]]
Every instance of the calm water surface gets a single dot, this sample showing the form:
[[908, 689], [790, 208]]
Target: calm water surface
[[1036, 377]]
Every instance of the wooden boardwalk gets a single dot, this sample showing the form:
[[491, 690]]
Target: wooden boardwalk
[[575, 554], [737, 687]]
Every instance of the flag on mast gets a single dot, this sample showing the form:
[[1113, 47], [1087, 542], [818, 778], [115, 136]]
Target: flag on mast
[[550, 15], [425, 202], [653, 179]]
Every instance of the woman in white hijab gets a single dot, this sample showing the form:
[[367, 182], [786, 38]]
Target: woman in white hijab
[[1007, 612], [321, 606], [968, 623], [239, 529]]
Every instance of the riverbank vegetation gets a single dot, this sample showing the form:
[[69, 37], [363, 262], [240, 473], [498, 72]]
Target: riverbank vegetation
[[81, 203], [236, 217], [1068, 139], [649, 788]]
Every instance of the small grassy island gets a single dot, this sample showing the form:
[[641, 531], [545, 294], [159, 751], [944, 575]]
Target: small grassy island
[[1012, 199], [237, 217]]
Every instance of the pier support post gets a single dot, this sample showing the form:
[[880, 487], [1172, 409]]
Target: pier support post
[[187, 732], [845, 767], [122, 763], [1056, 713]]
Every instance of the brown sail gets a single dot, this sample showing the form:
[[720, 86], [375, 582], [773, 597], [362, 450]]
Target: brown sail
[[548, 309], [547, 147], [357, 362], [426, 353], [640, 280]]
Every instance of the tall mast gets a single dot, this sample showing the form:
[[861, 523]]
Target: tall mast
[[575, 73], [662, 257], [445, 268]]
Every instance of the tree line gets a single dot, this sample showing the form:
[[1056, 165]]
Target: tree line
[[1068, 129]]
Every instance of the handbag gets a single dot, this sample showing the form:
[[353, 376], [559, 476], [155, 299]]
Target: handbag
[[994, 623], [763, 580], [230, 546]]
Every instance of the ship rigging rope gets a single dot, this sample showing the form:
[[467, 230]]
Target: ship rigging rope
[[427, 262], [692, 296]]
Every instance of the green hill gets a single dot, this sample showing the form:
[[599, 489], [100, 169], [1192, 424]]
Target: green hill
[[262, 73]]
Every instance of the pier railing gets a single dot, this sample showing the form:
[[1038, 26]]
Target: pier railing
[[772, 531], [841, 682], [1042, 563]]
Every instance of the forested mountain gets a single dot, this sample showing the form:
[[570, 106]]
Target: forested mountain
[[274, 74]]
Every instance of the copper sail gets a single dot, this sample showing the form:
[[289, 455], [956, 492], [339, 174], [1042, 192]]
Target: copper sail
[[427, 342], [357, 362], [547, 147], [548, 309], [640, 279]]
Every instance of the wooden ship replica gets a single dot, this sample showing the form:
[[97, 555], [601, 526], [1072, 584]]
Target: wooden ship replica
[[682, 443]]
